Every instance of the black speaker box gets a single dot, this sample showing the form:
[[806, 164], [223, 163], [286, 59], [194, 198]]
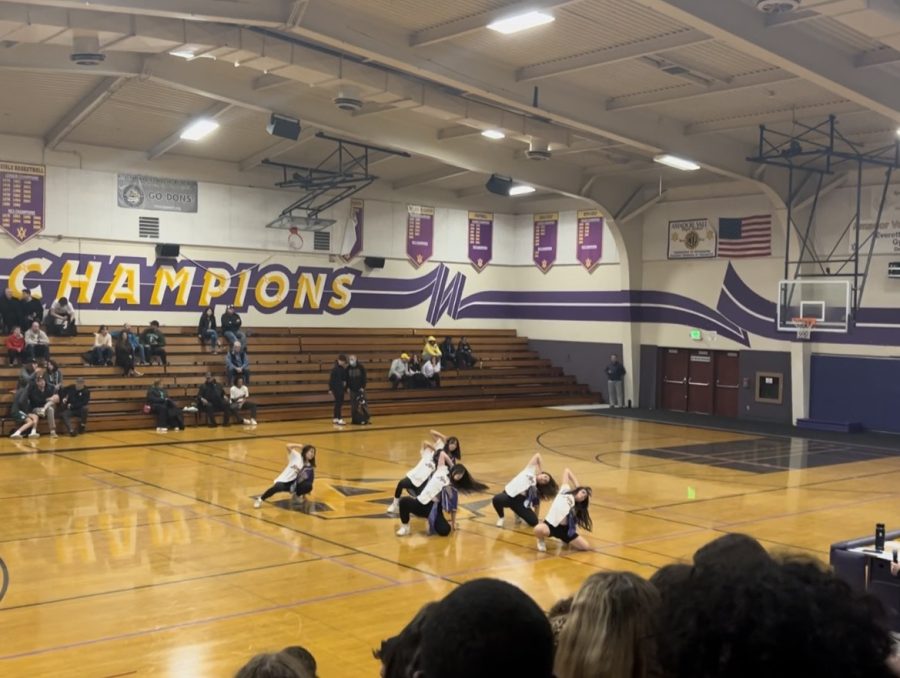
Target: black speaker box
[[283, 126], [167, 251], [375, 262]]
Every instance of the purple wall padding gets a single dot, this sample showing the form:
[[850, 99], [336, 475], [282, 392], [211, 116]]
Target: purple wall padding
[[850, 388]]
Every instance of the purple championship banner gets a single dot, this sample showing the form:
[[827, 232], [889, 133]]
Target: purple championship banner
[[545, 228], [419, 234], [22, 199], [481, 239], [354, 234], [589, 246]]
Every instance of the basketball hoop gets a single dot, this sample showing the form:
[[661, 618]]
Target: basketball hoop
[[295, 240], [804, 327]]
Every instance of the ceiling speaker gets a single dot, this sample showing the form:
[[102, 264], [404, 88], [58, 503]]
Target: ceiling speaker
[[283, 126]]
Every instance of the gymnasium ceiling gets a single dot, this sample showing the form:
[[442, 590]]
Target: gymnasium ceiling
[[608, 85]]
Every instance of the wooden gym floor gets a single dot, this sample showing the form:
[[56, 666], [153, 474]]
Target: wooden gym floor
[[131, 553]]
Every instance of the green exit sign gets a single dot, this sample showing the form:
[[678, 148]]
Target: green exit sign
[[696, 335]]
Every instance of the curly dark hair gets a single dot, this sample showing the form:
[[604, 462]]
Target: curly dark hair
[[547, 491]]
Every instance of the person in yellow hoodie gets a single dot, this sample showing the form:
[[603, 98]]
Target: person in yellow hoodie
[[431, 349]]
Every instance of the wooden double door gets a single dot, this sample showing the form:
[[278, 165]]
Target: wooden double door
[[705, 382]]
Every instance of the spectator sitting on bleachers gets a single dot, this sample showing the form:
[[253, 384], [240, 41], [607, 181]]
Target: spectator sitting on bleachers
[[101, 352], [416, 378], [237, 363], [15, 346], [211, 399], [54, 376], [231, 327], [431, 370], [155, 341], [60, 321], [239, 394], [10, 310], [140, 352], [31, 309], [399, 374], [448, 353], [430, 349], [168, 414], [464, 357], [206, 329], [125, 354], [74, 402], [37, 344], [41, 401]]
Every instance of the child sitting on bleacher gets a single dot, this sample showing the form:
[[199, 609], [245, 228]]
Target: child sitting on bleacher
[[15, 346]]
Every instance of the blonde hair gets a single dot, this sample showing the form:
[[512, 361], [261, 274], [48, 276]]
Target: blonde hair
[[610, 630]]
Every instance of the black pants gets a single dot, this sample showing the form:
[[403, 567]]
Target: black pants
[[247, 405], [517, 504], [80, 412], [213, 406], [14, 356], [407, 484], [34, 351], [303, 487], [411, 506], [167, 416], [338, 403], [397, 381], [157, 352]]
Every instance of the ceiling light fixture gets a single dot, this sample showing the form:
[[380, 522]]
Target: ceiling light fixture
[[521, 189], [183, 53], [199, 129], [521, 22], [677, 163], [493, 134]]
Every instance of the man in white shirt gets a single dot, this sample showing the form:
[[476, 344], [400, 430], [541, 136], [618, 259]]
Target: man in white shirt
[[400, 373], [432, 371]]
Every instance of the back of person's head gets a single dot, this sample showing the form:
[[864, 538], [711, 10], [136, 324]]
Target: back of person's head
[[667, 578], [611, 629], [154, 324], [731, 549], [273, 665], [784, 617], [304, 657], [558, 615], [484, 629], [399, 655]]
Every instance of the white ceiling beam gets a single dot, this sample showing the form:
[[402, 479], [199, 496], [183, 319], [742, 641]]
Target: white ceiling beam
[[777, 20], [276, 149], [879, 57], [611, 55], [664, 97], [268, 81], [174, 139], [457, 132], [268, 13], [80, 111], [821, 110], [55, 59], [428, 177], [476, 22], [743, 28]]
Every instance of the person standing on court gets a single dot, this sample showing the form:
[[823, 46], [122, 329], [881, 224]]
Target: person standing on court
[[356, 383], [615, 371], [337, 384], [231, 328]]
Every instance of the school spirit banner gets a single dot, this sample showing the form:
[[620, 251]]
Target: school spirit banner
[[138, 191], [545, 231], [691, 239], [419, 234], [481, 239], [21, 199], [589, 246], [353, 236]]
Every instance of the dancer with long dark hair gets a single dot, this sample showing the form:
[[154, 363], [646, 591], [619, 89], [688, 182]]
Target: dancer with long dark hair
[[297, 477], [567, 513], [524, 493], [416, 477]]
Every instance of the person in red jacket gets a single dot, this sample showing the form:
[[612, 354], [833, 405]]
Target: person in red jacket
[[15, 346]]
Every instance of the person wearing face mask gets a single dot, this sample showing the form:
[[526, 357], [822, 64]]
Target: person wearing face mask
[[356, 383]]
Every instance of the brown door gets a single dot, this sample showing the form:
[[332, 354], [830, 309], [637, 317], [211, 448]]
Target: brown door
[[700, 382], [727, 383], [674, 379]]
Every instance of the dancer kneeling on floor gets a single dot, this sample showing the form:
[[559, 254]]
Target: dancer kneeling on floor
[[297, 477], [568, 511], [430, 453], [439, 495], [524, 493]]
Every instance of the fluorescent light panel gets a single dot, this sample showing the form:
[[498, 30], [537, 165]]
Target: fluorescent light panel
[[678, 163], [521, 22], [521, 189], [199, 129], [493, 134], [183, 53]]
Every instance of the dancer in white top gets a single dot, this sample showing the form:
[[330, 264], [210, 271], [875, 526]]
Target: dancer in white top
[[415, 480], [524, 493], [297, 477], [568, 511]]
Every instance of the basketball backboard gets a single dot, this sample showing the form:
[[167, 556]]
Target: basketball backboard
[[826, 301]]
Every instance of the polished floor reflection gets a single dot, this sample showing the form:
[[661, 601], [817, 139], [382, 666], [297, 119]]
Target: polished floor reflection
[[135, 553]]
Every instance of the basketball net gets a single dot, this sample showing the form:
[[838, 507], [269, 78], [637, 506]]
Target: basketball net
[[804, 327]]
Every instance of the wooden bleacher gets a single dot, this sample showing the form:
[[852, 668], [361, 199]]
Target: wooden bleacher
[[289, 374]]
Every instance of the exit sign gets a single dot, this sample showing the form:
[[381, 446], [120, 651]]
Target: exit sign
[[696, 335]]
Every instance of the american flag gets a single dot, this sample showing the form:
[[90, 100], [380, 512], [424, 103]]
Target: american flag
[[746, 237]]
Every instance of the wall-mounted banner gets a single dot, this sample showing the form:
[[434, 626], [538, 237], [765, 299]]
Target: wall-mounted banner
[[589, 246], [481, 239], [21, 199], [137, 191], [419, 234], [887, 242], [545, 228], [353, 236], [691, 239]]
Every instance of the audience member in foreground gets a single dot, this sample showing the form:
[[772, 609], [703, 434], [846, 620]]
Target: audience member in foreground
[[274, 665], [486, 628], [304, 656], [611, 629], [399, 374], [239, 400], [566, 514], [74, 402], [168, 414], [399, 655]]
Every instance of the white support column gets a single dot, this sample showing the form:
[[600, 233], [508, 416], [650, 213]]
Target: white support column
[[801, 353]]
